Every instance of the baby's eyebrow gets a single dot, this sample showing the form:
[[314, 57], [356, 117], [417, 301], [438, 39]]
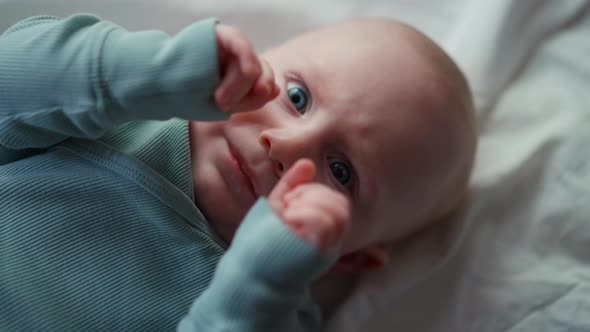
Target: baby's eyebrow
[[301, 78], [297, 77], [311, 77]]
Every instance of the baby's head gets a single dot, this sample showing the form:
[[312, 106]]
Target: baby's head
[[382, 111]]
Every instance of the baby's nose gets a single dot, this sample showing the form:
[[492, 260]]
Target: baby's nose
[[284, 149], [271, 150]]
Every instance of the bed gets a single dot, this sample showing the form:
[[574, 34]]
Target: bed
[[517, 256]]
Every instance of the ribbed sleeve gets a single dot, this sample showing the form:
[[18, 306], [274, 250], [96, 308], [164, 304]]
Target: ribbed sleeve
[[153, 76], [48, 75], [81, 77]]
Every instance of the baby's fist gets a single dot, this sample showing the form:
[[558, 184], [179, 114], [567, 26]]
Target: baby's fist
[[314, 212], [247, 82]]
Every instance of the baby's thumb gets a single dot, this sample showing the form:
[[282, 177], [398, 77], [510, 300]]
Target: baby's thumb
[[303, 171]]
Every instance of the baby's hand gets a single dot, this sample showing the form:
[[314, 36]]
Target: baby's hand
[[247, 82], [314, 212]]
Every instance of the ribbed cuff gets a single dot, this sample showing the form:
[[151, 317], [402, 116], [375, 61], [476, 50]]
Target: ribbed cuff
[[270, 251], [261, 282]]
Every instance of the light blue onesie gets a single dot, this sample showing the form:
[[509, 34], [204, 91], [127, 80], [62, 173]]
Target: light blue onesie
[[98, 229]]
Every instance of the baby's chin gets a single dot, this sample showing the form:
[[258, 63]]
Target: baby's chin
[[223, 222], [221, 212]]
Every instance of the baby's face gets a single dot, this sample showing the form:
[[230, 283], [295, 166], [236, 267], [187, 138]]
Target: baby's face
[[358, 108]]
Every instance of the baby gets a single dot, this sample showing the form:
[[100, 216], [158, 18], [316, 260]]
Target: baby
[[332, 145]]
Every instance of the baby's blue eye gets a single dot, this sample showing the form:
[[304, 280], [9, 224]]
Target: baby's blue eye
[[298, 96], [341, 172]]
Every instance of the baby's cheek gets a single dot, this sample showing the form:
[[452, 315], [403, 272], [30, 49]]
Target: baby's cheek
[[355, 237]]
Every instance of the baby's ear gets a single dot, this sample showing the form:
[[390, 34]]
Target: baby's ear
[[371, 258]]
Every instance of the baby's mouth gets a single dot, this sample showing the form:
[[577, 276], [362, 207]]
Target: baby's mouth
[[244, 172], [249, 183]]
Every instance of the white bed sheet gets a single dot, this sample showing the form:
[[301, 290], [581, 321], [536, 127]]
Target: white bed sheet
[[518, 257]]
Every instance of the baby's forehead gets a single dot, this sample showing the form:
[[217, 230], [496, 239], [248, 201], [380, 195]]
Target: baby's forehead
[[364, 52], [356, 30]]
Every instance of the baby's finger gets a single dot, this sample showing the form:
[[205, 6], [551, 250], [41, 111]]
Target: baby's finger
[[242, 69], [316, 228], [321, 198], [253, 101], [235, 45], [301, 172], [265, 89], [231, 87], [250, 68], [265, 84]]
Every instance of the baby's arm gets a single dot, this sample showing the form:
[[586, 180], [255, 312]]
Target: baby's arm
[[80, 77], [261, 283]]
